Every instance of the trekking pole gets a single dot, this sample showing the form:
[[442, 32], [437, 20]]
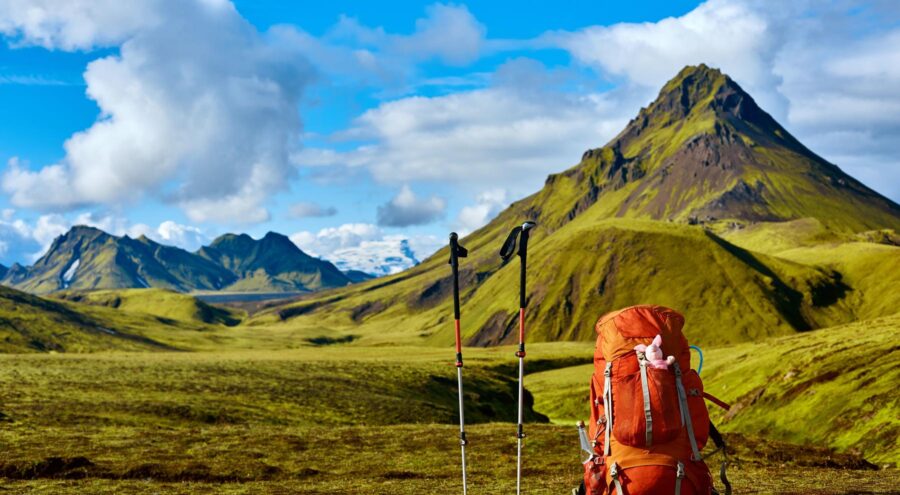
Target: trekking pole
[[506, 252], [456, 252]]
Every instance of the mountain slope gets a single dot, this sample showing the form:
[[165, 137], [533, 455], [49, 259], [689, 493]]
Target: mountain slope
[[160, 303], [273, 263], [32, 324], [705, 152], [87, 258], [636, 222]]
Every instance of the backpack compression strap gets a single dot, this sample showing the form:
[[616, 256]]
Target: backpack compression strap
[[720, 445]]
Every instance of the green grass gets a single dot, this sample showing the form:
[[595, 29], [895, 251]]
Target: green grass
[[314, 420], [161, 303], [392, 460], [833, 387]]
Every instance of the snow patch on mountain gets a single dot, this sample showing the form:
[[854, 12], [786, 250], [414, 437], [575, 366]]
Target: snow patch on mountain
[[366, 248], [70, 273], [378, 258]]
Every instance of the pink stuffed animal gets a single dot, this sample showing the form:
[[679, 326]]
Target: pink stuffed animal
[[654, 354]]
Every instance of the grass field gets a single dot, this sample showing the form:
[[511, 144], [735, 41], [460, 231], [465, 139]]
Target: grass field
[[332, 419]]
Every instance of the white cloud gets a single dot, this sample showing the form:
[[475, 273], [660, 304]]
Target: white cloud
[[511, 135], [306, 209], [197, 107], [75, 25], [373, 56], [449, 33], [406, 209], [331, 239], [183, 236], [487, 205], [365, 247]]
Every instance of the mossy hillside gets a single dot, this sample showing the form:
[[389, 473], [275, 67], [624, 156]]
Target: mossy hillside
[[872, 270], [132, 320], [162, 303], [575, 275], [775, 237], [32, 324], [868, 263], [834, 387]]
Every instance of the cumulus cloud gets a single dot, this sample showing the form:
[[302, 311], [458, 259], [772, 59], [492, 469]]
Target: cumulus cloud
[[370, 55], [365, 247], [406, 209], [75, 25], [184, 236], [331, 239], [196, 107], [449, 33], [735, 36], [487, 205], [511, 135], [306, 209]]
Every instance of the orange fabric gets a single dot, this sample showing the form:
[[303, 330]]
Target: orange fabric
[[646, 470], [628, 407]]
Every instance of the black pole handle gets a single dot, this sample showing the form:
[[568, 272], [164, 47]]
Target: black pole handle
[[456, 252], [518, 235]]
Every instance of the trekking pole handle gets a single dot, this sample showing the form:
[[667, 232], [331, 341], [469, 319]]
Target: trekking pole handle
[[454, 266], [456, 252], [523, 255]]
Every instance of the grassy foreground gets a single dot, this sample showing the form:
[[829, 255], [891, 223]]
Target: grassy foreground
[[401, 460], [336, 419]]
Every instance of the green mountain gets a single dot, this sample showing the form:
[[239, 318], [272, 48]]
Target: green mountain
[[645, 219], [86, 258], [273, 263]]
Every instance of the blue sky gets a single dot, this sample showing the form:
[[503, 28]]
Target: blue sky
[[352, 126]]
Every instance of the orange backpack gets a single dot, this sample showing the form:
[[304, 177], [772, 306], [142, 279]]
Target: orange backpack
[[648, 424]]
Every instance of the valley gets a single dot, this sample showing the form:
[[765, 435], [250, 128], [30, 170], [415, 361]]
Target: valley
[[249, 366]]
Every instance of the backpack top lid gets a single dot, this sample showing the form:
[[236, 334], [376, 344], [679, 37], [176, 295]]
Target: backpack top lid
[[620, 331]]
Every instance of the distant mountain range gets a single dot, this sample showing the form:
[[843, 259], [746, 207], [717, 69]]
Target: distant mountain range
[[86, 258]]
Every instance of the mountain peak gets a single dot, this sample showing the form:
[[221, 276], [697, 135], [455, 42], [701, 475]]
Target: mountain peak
[[84, 230], [703, 152], [697, 81]]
